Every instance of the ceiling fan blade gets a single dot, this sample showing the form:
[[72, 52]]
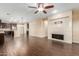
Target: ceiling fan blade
[[36, 12], [44, 12], [50, 6], [32, 7]]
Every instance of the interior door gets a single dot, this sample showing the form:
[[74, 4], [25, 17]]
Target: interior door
[[22, 30]]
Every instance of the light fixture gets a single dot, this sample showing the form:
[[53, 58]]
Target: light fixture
[[54, 11], [40, 9], [7, 13], [45, 22]]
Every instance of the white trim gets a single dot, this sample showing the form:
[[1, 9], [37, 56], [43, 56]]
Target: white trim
[[60, 41]]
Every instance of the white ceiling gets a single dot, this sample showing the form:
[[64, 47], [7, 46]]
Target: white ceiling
[[19, 12]]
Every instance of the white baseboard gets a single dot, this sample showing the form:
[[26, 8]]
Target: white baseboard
[[41, 36], [61, 41], [75, 41]]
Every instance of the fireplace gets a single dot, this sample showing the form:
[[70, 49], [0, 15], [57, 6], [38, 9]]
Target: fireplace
[[58, 36]]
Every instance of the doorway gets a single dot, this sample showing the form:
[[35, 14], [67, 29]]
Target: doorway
[[27, 31]]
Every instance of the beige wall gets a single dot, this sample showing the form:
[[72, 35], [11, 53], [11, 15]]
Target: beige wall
[[44, 27], [65, 28], [76, 26], [38, 28]]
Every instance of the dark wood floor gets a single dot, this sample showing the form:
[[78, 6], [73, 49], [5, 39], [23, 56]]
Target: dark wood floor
[[20, 46]]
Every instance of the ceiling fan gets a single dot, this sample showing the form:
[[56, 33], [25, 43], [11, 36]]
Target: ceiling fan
[[41, 8]]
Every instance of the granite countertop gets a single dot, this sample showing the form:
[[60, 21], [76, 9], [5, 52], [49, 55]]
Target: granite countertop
[[3, 30]]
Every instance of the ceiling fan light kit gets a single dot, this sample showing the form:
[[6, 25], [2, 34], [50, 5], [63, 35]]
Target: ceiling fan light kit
[[41, 8]]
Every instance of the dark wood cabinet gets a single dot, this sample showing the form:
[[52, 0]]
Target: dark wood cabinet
[[7, 25], [1, 39], [9, 33]]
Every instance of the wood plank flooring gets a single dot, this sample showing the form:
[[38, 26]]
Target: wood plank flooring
[[34, 46]]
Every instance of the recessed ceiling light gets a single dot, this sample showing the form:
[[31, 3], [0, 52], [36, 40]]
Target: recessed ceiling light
[[21, 17], [7, 13]]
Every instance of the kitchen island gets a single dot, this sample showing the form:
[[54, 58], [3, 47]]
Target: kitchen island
[[3, 33], [1, 38]]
